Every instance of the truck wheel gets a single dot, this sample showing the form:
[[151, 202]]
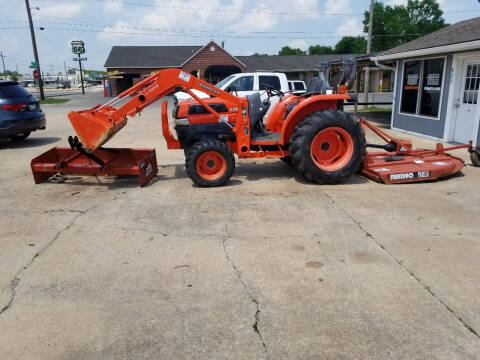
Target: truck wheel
[[475, 158], [328, 146], [20, 137], [209, 163]]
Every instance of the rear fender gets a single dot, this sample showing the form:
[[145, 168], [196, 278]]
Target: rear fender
[[275, 118], [307, 106]]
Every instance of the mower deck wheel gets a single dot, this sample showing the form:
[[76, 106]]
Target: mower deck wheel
[[475, 158]]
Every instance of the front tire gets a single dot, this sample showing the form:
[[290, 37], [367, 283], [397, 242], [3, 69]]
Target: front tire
[[209, 163], [20, 137], [328, 146]]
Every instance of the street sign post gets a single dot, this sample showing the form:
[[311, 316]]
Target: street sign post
[[78, 48], [33, 65]]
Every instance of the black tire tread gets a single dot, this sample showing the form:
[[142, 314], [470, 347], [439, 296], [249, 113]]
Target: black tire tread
[[475, 158]]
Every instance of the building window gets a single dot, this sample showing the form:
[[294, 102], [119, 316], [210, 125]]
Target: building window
[[472, 84], [422, 87]]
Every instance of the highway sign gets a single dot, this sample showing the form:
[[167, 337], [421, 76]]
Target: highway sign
[[78, 46]]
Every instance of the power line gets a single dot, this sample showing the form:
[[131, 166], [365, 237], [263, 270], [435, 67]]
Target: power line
[[272, 12]]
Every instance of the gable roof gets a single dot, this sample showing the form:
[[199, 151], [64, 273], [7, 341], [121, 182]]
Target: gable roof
[[218, 47], [149, 56], [284, 63], [463, 32]]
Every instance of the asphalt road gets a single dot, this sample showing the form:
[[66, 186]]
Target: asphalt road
[[268, 267]]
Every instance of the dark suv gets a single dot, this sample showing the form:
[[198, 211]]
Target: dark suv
[[20, 112]]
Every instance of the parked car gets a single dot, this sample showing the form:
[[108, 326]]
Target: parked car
[[243, 84], [85, 84], [297, 87], [63, 85], [20, 112]]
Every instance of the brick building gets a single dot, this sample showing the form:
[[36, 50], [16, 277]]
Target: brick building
[[127, 65]]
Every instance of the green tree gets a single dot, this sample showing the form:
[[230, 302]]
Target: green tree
[[393, 26], [287, 50], [71, 71], [13, 74], [320, 50], [257, 54], [351, 45]]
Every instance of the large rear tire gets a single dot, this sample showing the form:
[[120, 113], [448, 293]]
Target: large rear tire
[[209, 163], [328, 146]]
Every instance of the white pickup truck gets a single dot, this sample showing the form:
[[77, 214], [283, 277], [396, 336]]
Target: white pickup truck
[[243, 84]]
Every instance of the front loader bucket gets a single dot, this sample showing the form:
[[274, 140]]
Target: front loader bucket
[[94, 127], [103, 161]]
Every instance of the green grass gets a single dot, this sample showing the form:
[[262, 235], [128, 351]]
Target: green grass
[[54, 101], [373, 109]]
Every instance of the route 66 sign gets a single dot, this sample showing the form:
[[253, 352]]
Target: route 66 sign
[[78, 47]]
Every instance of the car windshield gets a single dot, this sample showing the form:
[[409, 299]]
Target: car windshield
[[13, 91], [224, 81]]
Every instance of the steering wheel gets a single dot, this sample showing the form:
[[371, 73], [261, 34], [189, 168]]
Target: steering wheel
[[232, 89], [272, 91]]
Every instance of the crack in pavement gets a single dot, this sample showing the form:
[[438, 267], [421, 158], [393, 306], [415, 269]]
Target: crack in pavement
[[66, 210], [402, 265], [16, 279], [255, 325]]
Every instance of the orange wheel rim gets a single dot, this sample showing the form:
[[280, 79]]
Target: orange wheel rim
[[332, 148], [211, 165]]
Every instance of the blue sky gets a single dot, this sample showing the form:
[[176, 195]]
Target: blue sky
[[246, 26]]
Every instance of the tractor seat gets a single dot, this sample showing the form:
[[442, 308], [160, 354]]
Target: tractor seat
[[256, 112], [315, 86]]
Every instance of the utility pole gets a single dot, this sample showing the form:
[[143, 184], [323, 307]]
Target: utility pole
[[3, 62], [35, 52], [369, 50], [81, 73], [66, 73]]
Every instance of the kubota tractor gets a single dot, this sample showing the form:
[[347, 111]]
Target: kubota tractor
[[310, 131]]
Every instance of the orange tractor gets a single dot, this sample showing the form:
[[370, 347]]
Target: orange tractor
[[310, 131]]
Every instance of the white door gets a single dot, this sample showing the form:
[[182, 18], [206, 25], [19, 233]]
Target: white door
[[467, 101]]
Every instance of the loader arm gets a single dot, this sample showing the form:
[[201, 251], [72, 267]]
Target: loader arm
[[97, 125]]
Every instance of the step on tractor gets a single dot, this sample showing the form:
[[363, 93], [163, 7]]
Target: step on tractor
[[311, 132]]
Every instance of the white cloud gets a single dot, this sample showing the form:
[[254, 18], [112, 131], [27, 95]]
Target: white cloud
[[112, 7], [350, 27], [63, 9], [338, 7], [206, 17], [300, 44], [115, 33]]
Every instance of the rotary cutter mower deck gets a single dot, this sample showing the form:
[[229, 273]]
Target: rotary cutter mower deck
[[399, 163], [309, 131]]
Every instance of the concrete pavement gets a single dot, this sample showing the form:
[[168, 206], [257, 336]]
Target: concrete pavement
[[268, 267]]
